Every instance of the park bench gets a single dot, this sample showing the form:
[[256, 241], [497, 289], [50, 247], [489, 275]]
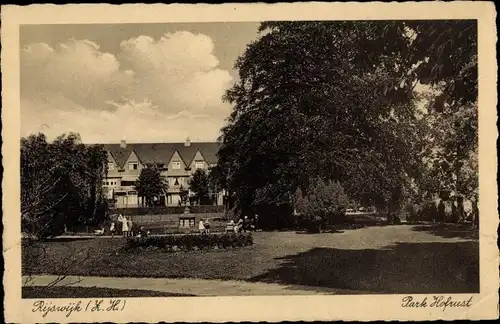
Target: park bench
[[230, 227]]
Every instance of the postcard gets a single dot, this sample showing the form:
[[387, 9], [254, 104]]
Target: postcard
[[250, 162]]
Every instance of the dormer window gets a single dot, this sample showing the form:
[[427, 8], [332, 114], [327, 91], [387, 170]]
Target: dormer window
[[132, 166], [176, 165], [199, 165], [111, 166]]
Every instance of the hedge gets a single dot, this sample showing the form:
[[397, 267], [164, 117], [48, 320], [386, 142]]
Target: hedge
[[173, 243], [203, 209]]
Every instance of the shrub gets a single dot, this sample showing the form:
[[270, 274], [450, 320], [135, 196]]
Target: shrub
[[323, 200], [190, 242]]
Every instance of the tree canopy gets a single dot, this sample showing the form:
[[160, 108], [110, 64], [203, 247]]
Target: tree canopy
[[61, 184], [337, 101], [199, 185], [150, 184]]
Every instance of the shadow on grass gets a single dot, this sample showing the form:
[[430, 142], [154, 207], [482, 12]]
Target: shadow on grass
[[408, 268], [449, 230]]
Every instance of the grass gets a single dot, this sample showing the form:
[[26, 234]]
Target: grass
[[390, 259], [90, 292]]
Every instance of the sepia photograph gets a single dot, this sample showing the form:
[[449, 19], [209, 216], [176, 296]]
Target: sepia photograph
[[266, 157]]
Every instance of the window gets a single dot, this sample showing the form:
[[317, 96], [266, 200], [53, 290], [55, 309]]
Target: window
[[176, 182], [186, 222], [132, 166], [199, 164], [176, 165], [111, 166]]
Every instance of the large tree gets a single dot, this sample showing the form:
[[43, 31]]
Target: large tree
[[312, 102], [150, 184], [337, 100]]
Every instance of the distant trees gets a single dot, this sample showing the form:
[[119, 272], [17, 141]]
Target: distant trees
[[61, 185], [150, 184], [444, 57]]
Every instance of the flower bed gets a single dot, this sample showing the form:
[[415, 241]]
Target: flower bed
[[173, 243]]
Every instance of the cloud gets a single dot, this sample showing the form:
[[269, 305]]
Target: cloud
[[76, 70], [178, 72], [131, 121], [149, 90]]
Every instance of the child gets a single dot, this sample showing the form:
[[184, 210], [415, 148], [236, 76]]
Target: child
[[207, 226], [130, 227], [201, 226], [124, 225]]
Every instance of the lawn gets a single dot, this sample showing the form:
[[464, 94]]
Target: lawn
[[90, 292], [390, 259]]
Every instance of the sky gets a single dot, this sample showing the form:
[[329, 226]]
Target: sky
[[133, 82]]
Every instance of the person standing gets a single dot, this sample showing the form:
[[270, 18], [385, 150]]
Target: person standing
[[201, 226], [124, 222], [239, 225], [112, 229], [246, 224], [130, 226]]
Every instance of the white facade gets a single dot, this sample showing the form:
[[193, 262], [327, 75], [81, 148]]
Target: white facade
[[177, 161]]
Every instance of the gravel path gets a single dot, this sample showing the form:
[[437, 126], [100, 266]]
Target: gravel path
[[198, 287]]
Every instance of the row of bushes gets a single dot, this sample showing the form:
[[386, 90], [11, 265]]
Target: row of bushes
[[190, 242], [202, 209]]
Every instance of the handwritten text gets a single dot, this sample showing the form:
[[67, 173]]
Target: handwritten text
[[436, 302], [98, 305]]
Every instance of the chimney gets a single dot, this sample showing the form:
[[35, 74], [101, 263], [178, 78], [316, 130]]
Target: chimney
[[123, 144], [187, 143]]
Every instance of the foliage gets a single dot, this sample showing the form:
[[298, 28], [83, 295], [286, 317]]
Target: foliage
[[443, 55], [311, 102], [184, 195], [199, 185], [150, 184], [216, 180], [451, 153], [190, 242], [338, 100], [61, 185], [324, 199]]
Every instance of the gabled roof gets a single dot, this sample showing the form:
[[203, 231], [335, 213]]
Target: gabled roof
[[119, 154], [163, 152]]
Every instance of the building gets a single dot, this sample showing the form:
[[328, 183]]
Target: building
[[177, 162]]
